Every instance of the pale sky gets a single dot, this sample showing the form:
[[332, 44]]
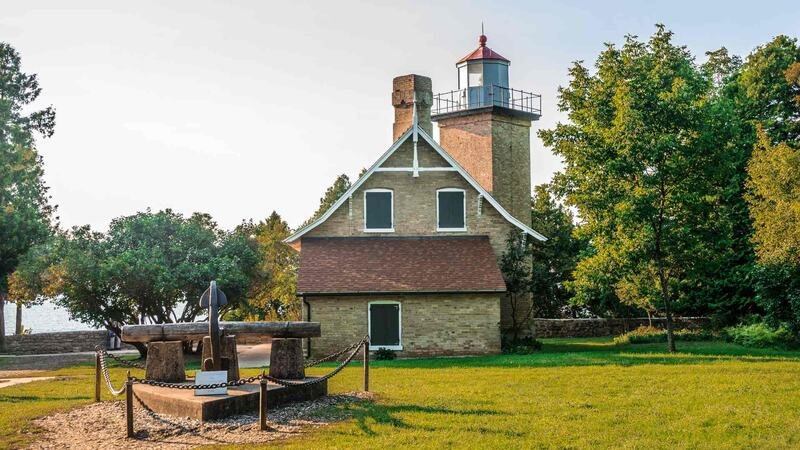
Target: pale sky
[[241, 108]]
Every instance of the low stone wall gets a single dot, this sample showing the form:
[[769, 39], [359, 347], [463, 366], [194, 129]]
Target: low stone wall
[[568, 328], [57, 342]]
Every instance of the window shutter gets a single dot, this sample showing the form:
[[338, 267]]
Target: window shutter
[[384, 322], [451, 209], [379, 210]]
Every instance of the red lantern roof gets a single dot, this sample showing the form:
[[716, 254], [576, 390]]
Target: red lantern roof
[[482, 52]]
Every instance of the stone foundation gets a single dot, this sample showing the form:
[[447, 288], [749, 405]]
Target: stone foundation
[[58, 342], [240, 399]]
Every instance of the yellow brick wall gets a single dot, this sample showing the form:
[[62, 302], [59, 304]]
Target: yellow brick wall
[[415, 208], [495, 149], [432, 324]]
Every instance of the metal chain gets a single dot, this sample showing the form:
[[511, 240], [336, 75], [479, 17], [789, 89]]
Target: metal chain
[[355, 347], [338, 369], [121, 361], [313, 363], [104, 367], [165, 384]]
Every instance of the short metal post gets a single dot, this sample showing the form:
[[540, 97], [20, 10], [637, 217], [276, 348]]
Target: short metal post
[[129, 404], [262, 403], [97, 375], [366, 365]]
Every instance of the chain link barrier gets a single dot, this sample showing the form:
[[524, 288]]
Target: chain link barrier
[[121, 361], [332, 356], [287, 383], [106, 376], [355, 347]]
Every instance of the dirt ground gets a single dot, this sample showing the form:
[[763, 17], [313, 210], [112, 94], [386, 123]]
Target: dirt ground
[[102, 426]]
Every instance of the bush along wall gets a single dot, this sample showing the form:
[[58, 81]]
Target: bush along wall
[[761, 335], [652, 335]]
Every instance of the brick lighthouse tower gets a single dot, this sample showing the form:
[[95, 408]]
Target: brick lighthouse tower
[[485, 125]]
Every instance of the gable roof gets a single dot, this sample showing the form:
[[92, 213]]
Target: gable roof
[[416, 130], [430, 264]]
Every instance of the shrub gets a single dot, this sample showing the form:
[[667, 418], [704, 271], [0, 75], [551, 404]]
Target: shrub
[[521, 346], [384, 354], [760, 335], [653, 335]]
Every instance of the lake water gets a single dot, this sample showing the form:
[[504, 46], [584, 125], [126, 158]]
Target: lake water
[[42, 319]]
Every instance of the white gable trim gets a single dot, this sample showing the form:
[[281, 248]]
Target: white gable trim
[[415, 130], [480, 188]]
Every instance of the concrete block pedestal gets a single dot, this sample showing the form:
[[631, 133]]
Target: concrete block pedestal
[[239, 400]]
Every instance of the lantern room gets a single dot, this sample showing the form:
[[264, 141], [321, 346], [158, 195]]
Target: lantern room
[[483, 82]]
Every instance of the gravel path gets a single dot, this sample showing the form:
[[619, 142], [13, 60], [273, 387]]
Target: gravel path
[[13, 381], [102, 426]]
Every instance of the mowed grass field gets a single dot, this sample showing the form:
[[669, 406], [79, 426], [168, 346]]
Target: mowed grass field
[[575, 393]]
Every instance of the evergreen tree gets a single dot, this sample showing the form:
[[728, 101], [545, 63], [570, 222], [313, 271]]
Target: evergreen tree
[[554, 260], [25, 212], [336, 190]]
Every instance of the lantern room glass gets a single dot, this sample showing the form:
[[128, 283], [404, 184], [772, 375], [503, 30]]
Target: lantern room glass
[[478, 81]]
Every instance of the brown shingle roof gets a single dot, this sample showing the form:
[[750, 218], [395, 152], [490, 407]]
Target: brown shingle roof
[[413, 264]]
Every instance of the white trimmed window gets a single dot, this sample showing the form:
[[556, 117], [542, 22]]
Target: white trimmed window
[[379, 210], [451, 210], [384, 323]]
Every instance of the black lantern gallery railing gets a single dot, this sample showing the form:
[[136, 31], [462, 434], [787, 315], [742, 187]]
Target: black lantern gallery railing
[[485, 96]]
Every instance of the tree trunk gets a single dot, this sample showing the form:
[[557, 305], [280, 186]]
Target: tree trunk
[[670, 334], [18, 328], [2, 322]]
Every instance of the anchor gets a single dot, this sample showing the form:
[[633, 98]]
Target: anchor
[[212, 299]]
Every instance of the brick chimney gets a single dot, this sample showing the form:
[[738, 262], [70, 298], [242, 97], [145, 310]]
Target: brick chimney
[[404, 90]]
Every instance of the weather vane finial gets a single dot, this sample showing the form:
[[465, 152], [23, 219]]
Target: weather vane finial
[[482, 39]]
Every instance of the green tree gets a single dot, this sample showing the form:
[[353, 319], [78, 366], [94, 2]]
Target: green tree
[[340, 185], [554, 260], [770, 88], [149, 268], [774, 199], [32, 275], [644, 167], [769, 98], [273, 292], [516, 269], [25, 212], [721, 284]]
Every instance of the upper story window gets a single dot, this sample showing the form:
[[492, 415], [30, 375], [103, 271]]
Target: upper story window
[[378, 210], [451, 210]]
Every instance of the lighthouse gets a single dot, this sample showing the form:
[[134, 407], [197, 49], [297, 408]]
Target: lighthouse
[[486, 126]]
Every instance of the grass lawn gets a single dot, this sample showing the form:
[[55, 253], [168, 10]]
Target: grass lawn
[[575, 393]]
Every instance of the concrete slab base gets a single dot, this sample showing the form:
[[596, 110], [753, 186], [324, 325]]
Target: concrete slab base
[[239, 400]]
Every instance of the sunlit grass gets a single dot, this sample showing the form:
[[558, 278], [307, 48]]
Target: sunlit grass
[[575, 393]]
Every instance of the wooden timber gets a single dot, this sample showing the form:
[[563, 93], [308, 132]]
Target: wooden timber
[[195, 331]]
